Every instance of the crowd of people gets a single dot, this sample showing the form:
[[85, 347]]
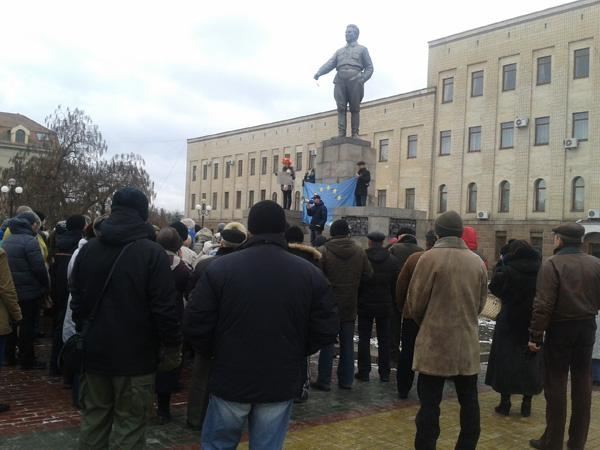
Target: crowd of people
[[248, 306]]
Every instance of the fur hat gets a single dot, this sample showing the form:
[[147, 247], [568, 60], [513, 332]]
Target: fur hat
[[449, 224], [266, 217], [233, 235], [181, 230], [130, 197]]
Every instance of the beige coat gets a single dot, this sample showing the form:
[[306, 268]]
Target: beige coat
[[9, 304], [446, 294]]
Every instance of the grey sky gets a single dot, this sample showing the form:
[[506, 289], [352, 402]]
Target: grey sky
[[152, 74]]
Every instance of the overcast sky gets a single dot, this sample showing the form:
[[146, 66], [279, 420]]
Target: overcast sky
[[152, 74]]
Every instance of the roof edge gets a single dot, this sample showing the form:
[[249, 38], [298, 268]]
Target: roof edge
[[292, 121], [552, 11]]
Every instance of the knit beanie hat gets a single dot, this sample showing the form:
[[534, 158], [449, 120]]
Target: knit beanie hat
[[449, 224], [76, 223], [30, 217], [266, 217], [181, 229], [339, 228], [294, 234], [130, 197], [233, 235]]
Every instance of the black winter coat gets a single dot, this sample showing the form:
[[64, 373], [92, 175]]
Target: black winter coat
[[377, 294], [26, 261], [511, 368], [318, 215], [259, 312], [138, 312], [66, 244], [362, 184]]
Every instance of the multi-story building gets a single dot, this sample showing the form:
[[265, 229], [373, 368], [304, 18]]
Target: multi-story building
[[20, 134], [507, 133]]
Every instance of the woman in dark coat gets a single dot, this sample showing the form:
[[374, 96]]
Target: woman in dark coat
[[168, 382], [512, 369]]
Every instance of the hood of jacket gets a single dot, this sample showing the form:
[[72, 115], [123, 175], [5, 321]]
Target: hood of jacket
[[525, 261], [377, 254], [470, 238], [313, 252], [342, 247], [68, 241], [124, 225], [20, 226]]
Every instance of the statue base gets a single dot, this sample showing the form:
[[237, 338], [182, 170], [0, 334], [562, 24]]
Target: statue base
[[336, 161]]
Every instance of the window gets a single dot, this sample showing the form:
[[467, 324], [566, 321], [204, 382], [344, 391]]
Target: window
[[384, 145], [509, 77], [580, 126], [472, 198], [504, 196], [240, 168], [544, 70], [577, 199], [263, 194], [193, 202], [252, 167], [412, 146], [263, 165], [445, 142], [542, 131], [250, 199], [447, 90], [238, 199], [477, 83], [311, 158], [20, 137], [500, 243], [194, 169], [216, 171], [381, 198], [226, 200], [507, 134], [409, 198], [205, 171], [274, 197], [539, 188], [475, 139], [582, 63], [298, 160], [214, 201], [275, 164], [536, 239], [443, 198], [228, 169]]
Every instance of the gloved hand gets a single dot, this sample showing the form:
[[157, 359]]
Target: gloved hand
[[169, 358]]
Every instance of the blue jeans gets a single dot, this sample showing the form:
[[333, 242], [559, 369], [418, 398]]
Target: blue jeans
[[596, 370], [224, 424], [345, 370]]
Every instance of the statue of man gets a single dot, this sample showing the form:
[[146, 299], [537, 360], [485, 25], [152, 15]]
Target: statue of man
[[354, 68]]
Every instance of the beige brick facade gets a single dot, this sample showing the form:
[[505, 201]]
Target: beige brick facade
[[560, 33]]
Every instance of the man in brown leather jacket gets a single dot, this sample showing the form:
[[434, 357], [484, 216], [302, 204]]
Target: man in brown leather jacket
[[565, 308]]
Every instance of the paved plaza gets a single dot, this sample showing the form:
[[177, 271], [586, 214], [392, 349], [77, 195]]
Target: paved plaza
[[368, 417]]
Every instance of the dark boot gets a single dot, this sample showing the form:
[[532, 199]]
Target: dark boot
[[504, 407], [526, 406], [354, 121], [342, 123]]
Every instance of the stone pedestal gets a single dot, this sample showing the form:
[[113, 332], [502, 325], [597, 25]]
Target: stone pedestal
[[337, 158]]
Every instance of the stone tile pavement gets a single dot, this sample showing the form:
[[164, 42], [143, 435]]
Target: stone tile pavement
[[368, 417]]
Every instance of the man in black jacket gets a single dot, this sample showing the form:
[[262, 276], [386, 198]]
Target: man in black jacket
[[375, 303], [136, 321], [318, 212], [362, 184], [258, 312]]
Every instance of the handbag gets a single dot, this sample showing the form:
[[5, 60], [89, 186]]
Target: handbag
[[492, 307], [70, 357]]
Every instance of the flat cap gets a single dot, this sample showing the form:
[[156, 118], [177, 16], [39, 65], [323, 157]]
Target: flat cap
[[376, 236], [570, 231]]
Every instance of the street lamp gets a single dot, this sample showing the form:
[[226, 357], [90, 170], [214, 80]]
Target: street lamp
[[203, 211], [11, 189]]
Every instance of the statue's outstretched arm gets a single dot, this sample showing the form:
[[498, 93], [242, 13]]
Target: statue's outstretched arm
[[328, 66]]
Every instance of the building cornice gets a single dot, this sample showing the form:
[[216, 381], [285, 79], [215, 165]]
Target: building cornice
[[321, 115], [514, 21]]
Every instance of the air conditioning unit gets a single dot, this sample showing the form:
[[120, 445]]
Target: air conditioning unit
[[571, 143], [593, 214], [521, 122], [483, 215]]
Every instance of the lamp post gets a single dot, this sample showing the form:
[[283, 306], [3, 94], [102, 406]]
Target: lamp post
[[203, 211], [12, 190]]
